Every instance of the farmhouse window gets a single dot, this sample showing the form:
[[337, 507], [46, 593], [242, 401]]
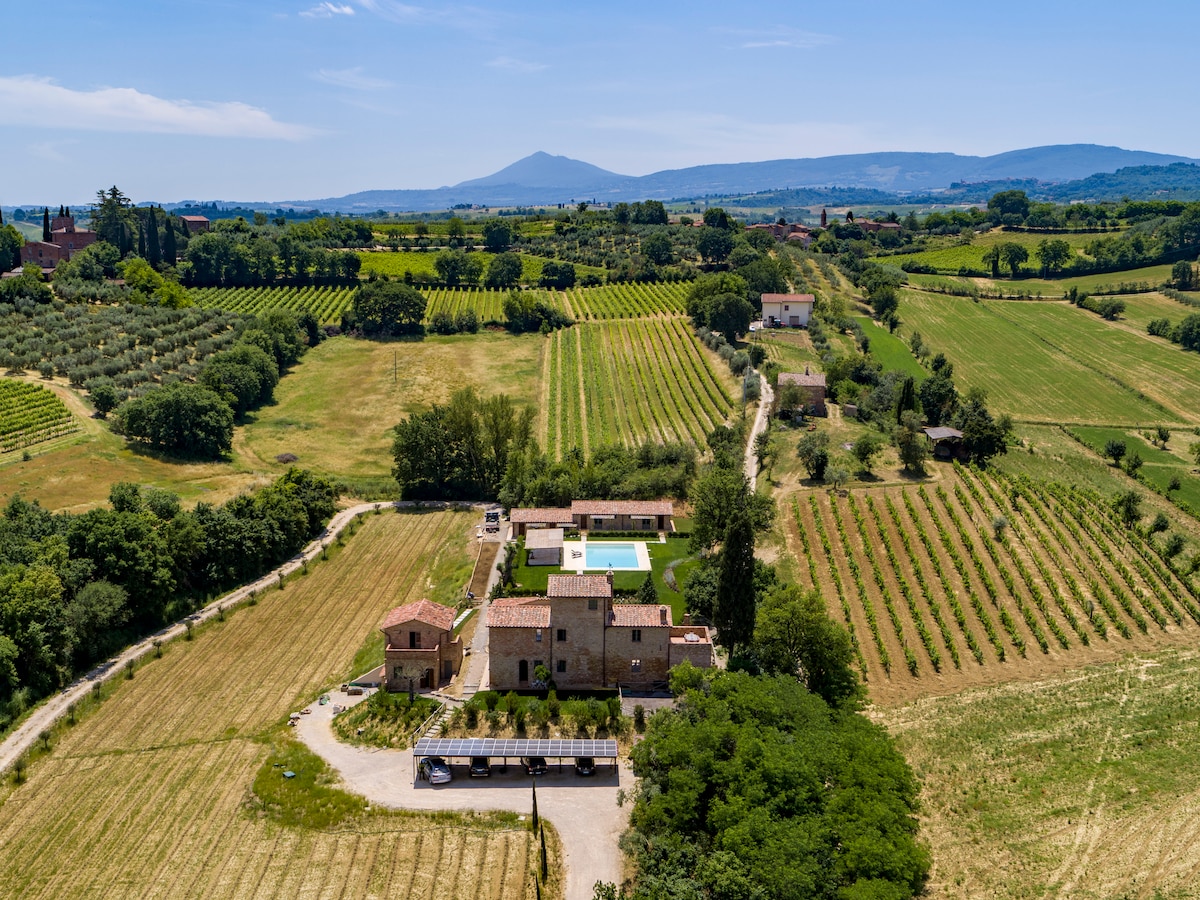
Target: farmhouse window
[[414, 640], [636, 635], [396, 673], [561, 635], [537, 635], [786, 307], [593, 604], [561, 666], [635, 665]]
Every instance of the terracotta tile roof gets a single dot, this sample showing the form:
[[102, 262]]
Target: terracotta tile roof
[[556, 516], [578, 586], [637, 615], [518, 616], [788, 298], [423, 611], [804, 379], [194, 218], [623, 507]]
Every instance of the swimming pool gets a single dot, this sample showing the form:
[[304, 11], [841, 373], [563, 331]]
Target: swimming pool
[[605, 555]]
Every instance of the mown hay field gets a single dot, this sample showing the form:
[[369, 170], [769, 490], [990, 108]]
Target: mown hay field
[[936, 601], [151, 794]]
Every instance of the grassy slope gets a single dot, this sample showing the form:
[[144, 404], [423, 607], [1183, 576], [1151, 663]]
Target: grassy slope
[[1082, 785], [336, 408], [891, 351]]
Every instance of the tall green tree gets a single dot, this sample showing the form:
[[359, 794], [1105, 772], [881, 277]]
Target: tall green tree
[[735, 608], [154, 253], [1053, 255], [795, 636], [113, 218], [1013, 255], [383, 308], [46, 224], [170, 246]]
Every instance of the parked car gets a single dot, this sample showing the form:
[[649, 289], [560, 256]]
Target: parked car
[[481, 767], [534, 765], [434, 770], [585, 765]]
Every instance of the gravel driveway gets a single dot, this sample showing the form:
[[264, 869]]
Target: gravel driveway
[[584, 810]]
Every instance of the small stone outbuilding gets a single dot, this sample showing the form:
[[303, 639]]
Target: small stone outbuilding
[[812, 387], [421, 649]]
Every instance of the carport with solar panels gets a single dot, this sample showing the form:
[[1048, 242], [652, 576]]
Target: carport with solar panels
[[514, 748]]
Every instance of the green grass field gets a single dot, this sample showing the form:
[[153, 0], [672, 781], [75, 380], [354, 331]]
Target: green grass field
[[992, 347], [1158, 465], [891, 351]]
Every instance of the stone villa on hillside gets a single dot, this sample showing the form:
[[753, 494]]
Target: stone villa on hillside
[[586, 640], [420, 646], [65, 241], [812, 389]]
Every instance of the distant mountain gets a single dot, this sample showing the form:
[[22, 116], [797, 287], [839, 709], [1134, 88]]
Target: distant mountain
[[544, 180], [541, 170]]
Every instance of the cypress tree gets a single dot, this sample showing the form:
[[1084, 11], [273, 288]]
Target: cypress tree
[[62, 210], [142, 240], [153, 248], [1, 217], [908, 398], [46, 224], [734, 609], [170, 250]]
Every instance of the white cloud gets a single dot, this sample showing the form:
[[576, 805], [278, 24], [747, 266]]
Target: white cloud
[[37, 101], [51, 150], [355, 79], [466, 18], [516, 65], [779, 36], [328, 10]]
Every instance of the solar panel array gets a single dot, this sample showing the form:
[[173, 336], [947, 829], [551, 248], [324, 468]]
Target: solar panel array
[[462, 747]]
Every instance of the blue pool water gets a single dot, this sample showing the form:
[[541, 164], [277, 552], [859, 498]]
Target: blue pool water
[[611, 556]]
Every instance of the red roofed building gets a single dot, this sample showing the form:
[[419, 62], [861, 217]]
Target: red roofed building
[[812, 390], [598, 515], [65, 241], [791, 310], [585, 640], [196, 224], [421, 649]]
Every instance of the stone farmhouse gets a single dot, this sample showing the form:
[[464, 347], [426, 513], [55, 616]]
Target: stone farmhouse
[[65, 241], [812, 388], [597, 515], [587, 641], [790, 232], [196, 224], [790, 310], [420, 645]]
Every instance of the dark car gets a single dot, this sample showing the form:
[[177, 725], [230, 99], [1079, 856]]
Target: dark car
[[534, 765], [434, 770], [480, 767], [585, 765]]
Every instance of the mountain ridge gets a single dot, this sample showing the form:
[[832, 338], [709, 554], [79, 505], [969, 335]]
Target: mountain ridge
[[543, 179]]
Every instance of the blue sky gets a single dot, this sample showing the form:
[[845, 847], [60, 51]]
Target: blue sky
[[275, 100]]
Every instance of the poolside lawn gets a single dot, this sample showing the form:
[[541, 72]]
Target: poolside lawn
[[534, 578]]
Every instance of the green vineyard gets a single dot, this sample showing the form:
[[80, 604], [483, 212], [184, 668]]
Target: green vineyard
[[326, 303], [627, 301], [928, 583], [620, 383], [30, 414]]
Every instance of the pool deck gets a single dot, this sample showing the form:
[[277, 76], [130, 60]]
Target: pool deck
[[575, 557]]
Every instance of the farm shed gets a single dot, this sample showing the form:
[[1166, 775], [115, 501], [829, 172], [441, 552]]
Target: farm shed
[[544, 546], [947, 442]]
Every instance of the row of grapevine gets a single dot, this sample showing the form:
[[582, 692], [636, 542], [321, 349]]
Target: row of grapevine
[[864, 600], [627, 301], [621, 383], [814, 579], [326, 303], [31, 414]]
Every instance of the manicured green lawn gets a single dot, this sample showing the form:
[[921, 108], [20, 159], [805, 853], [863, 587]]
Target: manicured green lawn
[[535, 578]]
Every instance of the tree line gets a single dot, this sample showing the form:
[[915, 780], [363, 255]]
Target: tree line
[[75, 588]]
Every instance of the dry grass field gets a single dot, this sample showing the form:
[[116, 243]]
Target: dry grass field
[[1086, 785], [173, 786]]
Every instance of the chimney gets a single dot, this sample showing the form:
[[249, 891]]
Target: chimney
[[609, 576], [662, 615]]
